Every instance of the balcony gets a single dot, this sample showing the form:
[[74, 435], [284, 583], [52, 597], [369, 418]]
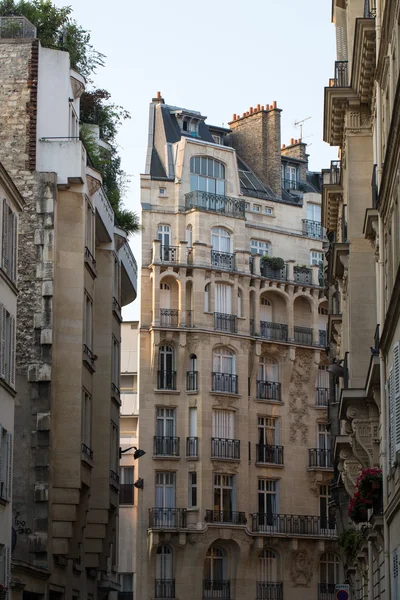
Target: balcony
[[166, 380], [291, 185], [295, 525], [87, 452], [302, 275], [167, 518], [225, 322], [216, 590], [322, 338], [321, 397], [128, 275], [117, 309], [89, 358], [115, 393], [169, 317], [312, 229], [192, 447], [269, 455], [225, 205], [169, 254], [164, 589], [225, 448], [274, 331], [16, 28], [223, 260], [225, 383], [319, 458], [303, 336], [114, 478], [166, 446], [270, 273], [90, 262], [327, 591], [269, 591], [126, 493], [225, 516], [192, 378], [268, 390], [335, 172], [65, 156], [369, 9]]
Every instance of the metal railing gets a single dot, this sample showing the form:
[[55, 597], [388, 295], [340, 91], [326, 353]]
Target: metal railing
[[192, 378], [164, 588], [268, 390], [289, 184], [312, 229], [218, 203], [225, 516], [321, 396], [166, 446], [225, 448], [320, 458], [89, 256], [169, 254], [269, 591], [115, 391], [266, 454], [302, 275], [225, 322], [251, 264], [214, 589], [374, 188], [189, 318], [116, 306], [223, 260], [86, 450], [274, 331], [88, 353], [169, 317], [291, 524], [114, 476], [192, 446], [270, 273], [125, 595], [303, 335], [166, 380], [126, 493], [341, 78], [334, 172], [322, 338], [225, 382], [168, 518], [326, 591], [16, 27], [369, 9]]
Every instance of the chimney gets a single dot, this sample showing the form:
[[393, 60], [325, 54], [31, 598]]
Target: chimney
[[158, 99], [257, 141]]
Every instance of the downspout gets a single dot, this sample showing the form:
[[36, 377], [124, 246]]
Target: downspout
[[381, 313]]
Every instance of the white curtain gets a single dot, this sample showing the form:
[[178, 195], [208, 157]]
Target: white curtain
[[223, 298], [265, 310], [224, 363], [223, 424], [192, 422], [220, 240], [267, 567]]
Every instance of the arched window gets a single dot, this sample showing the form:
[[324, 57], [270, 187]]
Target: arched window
[[220, 239], [214, 570], [239, 304], [267, 569], [164, 572], [189, 236], [265, 310], [166, 373], [207, 175], [268, 369], [193, 362], [329, 568], [223, 298], [165, 295], [207, 298], [224, 361]]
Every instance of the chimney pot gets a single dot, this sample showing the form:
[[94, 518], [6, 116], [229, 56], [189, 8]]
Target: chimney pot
[[247, 114], [258, 106], [234, 117], [274, 103], [291, 141], [283, 146], [243, 115], [251, 110], [262, 108], [159, 95], [267, 107]]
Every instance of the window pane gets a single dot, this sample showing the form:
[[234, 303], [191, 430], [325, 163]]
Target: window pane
[[197, 164], [220, 186], [203, 165], [193, 183], [211, 186]]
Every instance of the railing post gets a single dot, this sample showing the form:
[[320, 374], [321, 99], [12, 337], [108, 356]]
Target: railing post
[[156, 258], [256, 264], [315, 275]]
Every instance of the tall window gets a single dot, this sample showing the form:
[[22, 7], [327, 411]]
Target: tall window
[[327, 519], [165, 489], [223, 298], [329, 568], [9, 241], [165, 295], [166, 367], [267, 569], [164, 235], [223, 424], [6, 449], [7, 346], [265, 310], [267, 431], [323, 437], [127, 490], [88, 321], [221, 240], [114, 459], [214, 567], [86, 421], [223, 496], [163, 566], [192, 489], [165, 422], [224, 361], [115, 362], [268, 369], [89, 227], [259, 247], [207, 175], [126, 582], [267, 501], [313, 212]]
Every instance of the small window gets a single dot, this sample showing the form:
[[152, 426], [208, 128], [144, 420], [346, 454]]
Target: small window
[[260, 247], [316, 258], [247, 205], [185, 126], [162, 191], [256, 208], [192, 490], [268, 210], [217, 139], [5, 464]]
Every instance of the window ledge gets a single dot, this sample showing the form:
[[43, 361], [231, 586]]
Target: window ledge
[[170, 392], [229, 460], [318, 407], [276, 402], [192, 392], [268, 465], [163, 195], [162, 457], [213, 393], [193, 509], [319, 468], [91, 267], [86, 460], [4, 502], [192, 458]]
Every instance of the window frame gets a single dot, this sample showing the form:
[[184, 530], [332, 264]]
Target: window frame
[[192, 489]]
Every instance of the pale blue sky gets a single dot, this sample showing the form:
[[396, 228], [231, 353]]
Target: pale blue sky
[[216, 56]]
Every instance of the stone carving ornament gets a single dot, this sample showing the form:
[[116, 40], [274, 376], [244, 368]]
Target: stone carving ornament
[[301, 567], [298, 396]]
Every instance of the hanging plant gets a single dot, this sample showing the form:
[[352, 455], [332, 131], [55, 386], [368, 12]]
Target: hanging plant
[[273, 262], [369, 482], [358, 507], [351, 540]]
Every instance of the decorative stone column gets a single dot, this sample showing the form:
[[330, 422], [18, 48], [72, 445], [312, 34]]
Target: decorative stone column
[[156, 252], [156, 297], [183, 252], [289, 269], [315, 275], [201, 256]]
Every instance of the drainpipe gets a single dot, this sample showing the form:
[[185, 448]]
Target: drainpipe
[[381, 309]]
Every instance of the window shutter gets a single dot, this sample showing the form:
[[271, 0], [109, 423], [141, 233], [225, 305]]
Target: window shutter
[[4, 245], [12, 351], [395, 557], [396, 365], [9, 470], [15, 248], [8, 568], [3, 338]]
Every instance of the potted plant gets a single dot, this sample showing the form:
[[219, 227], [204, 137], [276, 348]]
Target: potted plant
[[301, 269], [369, 482], [357, 510], [3, 592], [351, 540], [272, 266]]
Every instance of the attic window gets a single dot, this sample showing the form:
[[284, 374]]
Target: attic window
[[217, 139], [190, 125], [185, 126]]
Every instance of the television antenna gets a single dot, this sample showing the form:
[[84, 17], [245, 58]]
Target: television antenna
[[300, 124]]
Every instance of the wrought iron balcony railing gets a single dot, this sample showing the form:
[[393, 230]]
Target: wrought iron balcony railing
[[268, 390], [214, 589], [168, 518], [326, 591], [125, 595], [321, 396], [225, 382], [164, 588], [320, 458], [218, 203], [192, 446], [114, 476], [302, 275], [303, 335], [312, 229], [270, 273], [225, 448], [266, 454], [166, 380], [269, 591], [225, 322], [274, 331], [334, 173], [341, 78], [169, 254], [166, 446], [223, 260], [225, 516], [87, 451], [292, 524], [169, 317], [89, 257], [126, 493], [192, 378], [289, 184]]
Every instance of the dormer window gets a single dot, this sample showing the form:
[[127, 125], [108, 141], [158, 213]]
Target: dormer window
[[190, 125]]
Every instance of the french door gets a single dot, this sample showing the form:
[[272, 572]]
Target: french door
[[165, 499], [267, 504]]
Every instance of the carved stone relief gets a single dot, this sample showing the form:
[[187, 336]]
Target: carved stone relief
[[298, 395], [301, 567]]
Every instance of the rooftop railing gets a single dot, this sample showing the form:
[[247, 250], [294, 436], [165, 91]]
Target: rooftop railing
[[341, 78], [16, 28], [334, 172]]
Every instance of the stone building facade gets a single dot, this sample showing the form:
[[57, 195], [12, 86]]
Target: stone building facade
[[75, 272], [360, 213], [10, 209], [232, 365]]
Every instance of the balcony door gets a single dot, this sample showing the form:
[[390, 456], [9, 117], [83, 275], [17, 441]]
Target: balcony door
[[268, 370], [267, 431], [265, 310], [165, 432], [166, 363], [267, 568], [329, 571], [224, 362], [165, 295], [164, 572], [313, 212], [323, 437], [267, 503], [214, 566], [223, 299], [326, 517], [220, 240], [223, 497], [223, 424]]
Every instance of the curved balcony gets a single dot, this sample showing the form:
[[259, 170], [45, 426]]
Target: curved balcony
[[295, 525], [223, 260], [225, 322], [274, 331], [312, 229], [225, 382], [169, 317]]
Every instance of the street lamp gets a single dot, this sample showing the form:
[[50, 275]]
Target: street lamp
[[137, 454]]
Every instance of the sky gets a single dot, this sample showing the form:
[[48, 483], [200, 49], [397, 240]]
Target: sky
[[218, 57]]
